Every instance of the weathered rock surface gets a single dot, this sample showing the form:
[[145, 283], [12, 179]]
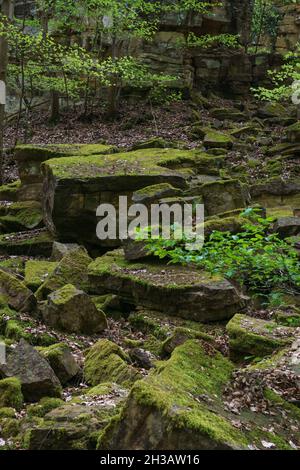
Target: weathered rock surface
[[105, 362], [30, 243], [34, 372], [255, 337], [72, 269], [18, 296], [287, 226], [142, 358], [36, 272], [181, 405], [223, 196], [214, 139], [75, 426], [21, 216], [72, 310], [74, 190], [11, 393], [59, 250], [30, 157], [173, 290], [62, 361]]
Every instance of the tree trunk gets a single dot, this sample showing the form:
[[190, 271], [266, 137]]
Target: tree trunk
[[55, 108], [7, 7]]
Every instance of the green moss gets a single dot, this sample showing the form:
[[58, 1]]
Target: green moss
[[14, 265], [175, 388], [139, 162], [153, 344], [141, 321], [72, 269], [64, 295], [7, 412], [36, 272], [232, 224], [44, 406], [133, 343], [105, 362], [215, 139], [13, 328], [114, 264], [22, 216], [45, 152], [182, 334], [10, 428], [9, 192], [11, 393], [156, 190], [291, 318], [283, 211], [255, 337]]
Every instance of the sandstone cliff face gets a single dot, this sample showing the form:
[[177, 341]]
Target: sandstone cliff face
[[289, 28]]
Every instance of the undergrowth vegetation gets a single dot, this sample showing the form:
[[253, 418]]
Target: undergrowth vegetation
[[256, 258]]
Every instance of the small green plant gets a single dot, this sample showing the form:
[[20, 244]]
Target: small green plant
[[163, 95], [230, 41], [285, 80], [255, 258]]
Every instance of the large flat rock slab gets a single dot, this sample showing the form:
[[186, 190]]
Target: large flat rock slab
[[30, 157], [173, 290], [74, 188]]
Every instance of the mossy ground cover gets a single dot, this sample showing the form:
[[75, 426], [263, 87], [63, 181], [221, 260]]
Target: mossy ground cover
[[37, 271], [152, 272], [21, 216], [257, 338], [139, 162], [45, 152]]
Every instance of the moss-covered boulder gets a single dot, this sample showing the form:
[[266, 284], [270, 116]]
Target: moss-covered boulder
[[44, 406], [10, 191], [11, 393], [34, 372], [182, 405], [293, 133], [272, 109], [36, 272], [76, 425], [62, 361], [74, 189], [215, 139], [72, 269], [153, 193], [59, 250], [21, 216], [13, 327], [168, 409], [232, 224], [287, 226], [174, 290], [72, 310], [105, 362], [13, 265], [255, 337], [31, 243], [223, 196], [180, 336], [230, 114], [30, 157], [18, 296], [276, 192]]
